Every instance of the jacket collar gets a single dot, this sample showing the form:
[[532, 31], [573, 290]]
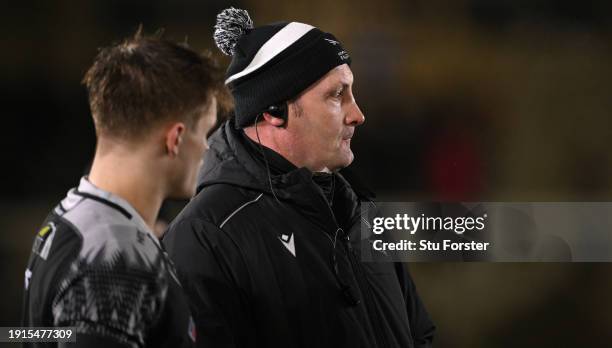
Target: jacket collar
[[233, 160]]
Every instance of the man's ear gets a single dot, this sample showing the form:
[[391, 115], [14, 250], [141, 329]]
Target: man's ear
[[174, 138], [273, 120]]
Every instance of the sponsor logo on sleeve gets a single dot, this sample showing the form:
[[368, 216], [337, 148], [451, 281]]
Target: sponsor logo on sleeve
[[44, 240]]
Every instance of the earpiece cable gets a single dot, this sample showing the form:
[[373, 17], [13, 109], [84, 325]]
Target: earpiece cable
[[263, 153]]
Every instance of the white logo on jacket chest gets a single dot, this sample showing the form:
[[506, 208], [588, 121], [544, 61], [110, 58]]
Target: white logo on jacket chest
[[288, 242]]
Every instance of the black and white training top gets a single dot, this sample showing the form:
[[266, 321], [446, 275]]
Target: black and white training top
[[97, 267]]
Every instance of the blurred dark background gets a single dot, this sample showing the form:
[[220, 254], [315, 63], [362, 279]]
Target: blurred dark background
[[490, 100]]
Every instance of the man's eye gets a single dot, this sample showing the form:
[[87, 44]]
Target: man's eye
[[339, 93]]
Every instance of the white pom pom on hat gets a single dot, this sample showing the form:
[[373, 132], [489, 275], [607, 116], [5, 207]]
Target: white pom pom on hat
[[231, 24]]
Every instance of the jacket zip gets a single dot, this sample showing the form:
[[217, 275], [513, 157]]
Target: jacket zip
[[364, 287]]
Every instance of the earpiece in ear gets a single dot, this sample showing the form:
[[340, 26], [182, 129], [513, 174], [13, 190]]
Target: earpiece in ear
[[279, 111]]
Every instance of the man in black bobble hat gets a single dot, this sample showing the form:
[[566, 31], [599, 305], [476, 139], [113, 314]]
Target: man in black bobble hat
[[266, 250]]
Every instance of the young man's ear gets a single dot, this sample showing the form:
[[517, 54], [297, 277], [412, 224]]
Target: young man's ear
[[273, 120], [174, 138]]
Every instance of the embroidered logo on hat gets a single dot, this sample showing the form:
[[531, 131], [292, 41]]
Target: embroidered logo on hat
[[333, 42]]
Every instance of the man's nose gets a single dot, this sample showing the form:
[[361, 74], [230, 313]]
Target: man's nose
[[354, 117]]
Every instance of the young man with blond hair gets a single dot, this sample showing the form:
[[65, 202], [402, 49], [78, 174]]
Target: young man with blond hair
[[96, 264]]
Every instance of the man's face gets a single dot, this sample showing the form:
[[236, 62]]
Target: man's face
[[322, 121], [193, 145]]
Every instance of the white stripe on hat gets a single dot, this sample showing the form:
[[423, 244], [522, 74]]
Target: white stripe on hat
[[275, 45]]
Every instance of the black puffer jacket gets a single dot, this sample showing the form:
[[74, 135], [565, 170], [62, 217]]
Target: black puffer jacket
[[262, 272]]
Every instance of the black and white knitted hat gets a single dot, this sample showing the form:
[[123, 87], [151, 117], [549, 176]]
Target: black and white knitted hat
[[273, 63]]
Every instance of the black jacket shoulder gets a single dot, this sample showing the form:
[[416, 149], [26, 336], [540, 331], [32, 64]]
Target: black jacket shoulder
[[227, 199]]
